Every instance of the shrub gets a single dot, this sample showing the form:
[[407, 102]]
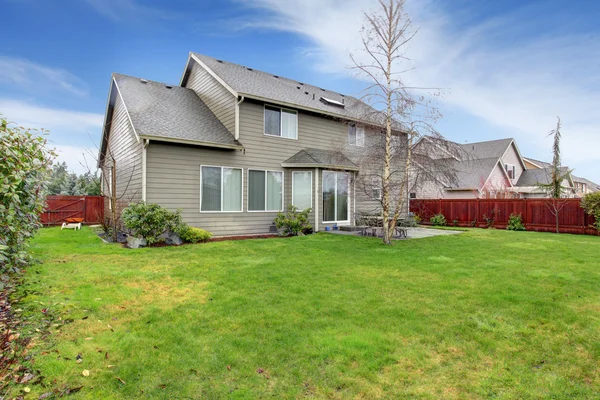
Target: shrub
[[149, 221], [438, 220], [515, 223], [591, 204], [191, 234], [24, 167], [293, 221]]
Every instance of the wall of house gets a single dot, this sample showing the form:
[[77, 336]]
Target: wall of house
[[461, 194], [173, 171], [529, 165], [124, 147], [497, 180], [512, 157], [220, 101]]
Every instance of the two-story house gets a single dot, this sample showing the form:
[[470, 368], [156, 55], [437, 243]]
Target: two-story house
[[232, 146]]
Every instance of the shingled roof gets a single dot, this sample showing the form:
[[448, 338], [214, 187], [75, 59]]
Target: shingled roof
[[539, 176], [320, 158], [490, 149], [159, 111], [471, 174], [262, 85]]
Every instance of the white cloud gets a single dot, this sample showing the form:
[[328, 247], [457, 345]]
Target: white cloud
[[520, 86], [29, 76], [54, 119], [72, 133]]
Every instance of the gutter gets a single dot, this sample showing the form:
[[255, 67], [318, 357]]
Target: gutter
[[194, 142], [145, 144]]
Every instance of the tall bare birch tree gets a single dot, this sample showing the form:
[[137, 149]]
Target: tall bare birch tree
[[404, 115]]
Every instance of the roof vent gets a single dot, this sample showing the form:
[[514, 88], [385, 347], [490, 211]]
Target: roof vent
[[169, 86], [300, 83], [332, 102], [220, 61], [275, 76], [322, 89], [249, 69], [305, 92], [143, 81], [297, 87]]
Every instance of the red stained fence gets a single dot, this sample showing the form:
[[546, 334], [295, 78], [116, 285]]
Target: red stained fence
[[59, 208], [535, 213]]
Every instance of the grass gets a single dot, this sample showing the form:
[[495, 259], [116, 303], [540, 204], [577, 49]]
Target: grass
[[484, 314]]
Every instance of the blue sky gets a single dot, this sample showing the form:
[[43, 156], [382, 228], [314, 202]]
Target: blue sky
[[507, 69]]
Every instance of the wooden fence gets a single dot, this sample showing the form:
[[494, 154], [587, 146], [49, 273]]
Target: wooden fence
[[59, 208], [535, 213]]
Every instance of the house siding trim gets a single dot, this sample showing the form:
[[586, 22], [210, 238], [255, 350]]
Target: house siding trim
[[214, 75], [193, 142]]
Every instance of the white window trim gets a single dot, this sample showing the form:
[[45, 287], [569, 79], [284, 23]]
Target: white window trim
[[266, 191], [281, 109], [242, 191], [356, 130], [311, 186], [513, 167], [347, 220]]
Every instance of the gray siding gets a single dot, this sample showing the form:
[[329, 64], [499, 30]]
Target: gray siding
[[124, 147], [512, 157], [173, 171], [220, 101]]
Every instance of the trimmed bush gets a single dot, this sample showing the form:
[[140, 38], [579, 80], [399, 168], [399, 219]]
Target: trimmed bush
[[149, 221], [591, 204], [294, 222], [515, 223], [25, 162], [191, 234], [438, 220]]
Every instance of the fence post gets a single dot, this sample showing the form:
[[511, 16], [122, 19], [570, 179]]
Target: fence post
[[525, 221], [477, 212]]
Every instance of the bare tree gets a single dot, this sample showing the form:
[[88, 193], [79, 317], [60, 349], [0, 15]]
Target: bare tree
[[388, 163], [557, 193]]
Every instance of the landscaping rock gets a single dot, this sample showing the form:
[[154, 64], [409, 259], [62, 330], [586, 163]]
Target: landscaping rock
[[135, 243], [171, 238]]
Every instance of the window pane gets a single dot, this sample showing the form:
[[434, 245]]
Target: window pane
[[289, 123], [351, 135], [342, 197], [328, 196], [272, 121], [302, 187], [360, 137], [211, 189], [232, 189], [256, 190], [274, 191]]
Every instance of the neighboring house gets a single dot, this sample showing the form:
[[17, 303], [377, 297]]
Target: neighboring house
[[492, 169], [581, 185], [232, 146], [484, 169]]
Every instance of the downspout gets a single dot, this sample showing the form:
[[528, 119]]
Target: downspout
[[237, 118], [353, 216], [144, 147], [316, 229]]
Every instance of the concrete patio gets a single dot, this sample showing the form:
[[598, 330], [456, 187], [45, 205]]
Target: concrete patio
[[413, 233]]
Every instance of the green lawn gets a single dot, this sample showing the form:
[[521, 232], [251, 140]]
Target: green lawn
[[483, 314]]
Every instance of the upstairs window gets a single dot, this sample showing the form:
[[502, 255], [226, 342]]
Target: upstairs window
[[356, 136], [281, 122], [510, 170]]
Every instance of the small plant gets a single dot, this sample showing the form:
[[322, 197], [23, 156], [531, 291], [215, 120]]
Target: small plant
[[191, 234], [438, 220], [149, 221], [491, 219], [293, 221], [591, 204], [417, 219], [515, 223], [455, 222], [473, 223]]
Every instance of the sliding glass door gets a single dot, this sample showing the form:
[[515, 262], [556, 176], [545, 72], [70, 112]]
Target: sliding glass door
[[336, 189]]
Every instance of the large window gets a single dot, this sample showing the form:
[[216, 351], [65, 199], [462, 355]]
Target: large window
[[336, 187], [220, 189], [356, 136], [265, 190], [281, 122], [302, 189]]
